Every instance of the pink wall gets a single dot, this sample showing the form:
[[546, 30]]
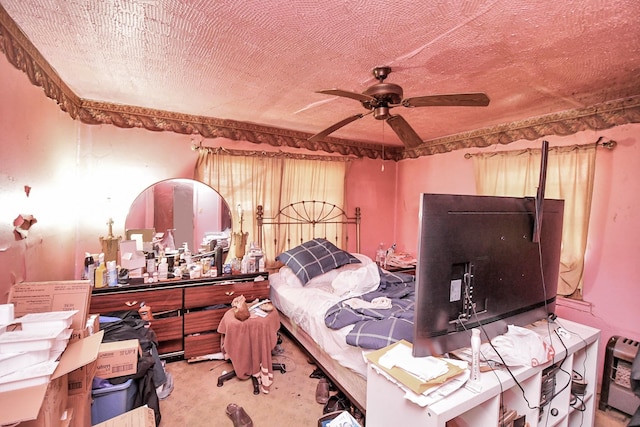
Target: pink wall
[[611, 293], [43, 157], [371, 187], [81, 175]]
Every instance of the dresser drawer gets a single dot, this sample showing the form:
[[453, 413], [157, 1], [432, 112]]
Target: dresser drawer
[[159, 300], [201, 345], [203, 296], [168, 328], [171, 346], [202, 321]]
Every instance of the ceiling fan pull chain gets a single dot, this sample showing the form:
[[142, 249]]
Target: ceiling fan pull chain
[[382, 168]]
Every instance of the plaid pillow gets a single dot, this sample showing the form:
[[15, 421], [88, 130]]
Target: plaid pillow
[[314, 258]]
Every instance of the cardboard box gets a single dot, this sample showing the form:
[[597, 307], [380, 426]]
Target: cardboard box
[[54, 405], [38, 297], [118, 358], [25, 404], [67, 418], [80, 379], [92, 326], [80, 404], [142, 416]]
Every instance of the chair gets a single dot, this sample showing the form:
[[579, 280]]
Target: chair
[[256, 384], [236, 336]]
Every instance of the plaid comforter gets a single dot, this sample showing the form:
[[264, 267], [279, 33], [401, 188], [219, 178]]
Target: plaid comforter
[[375, 328]]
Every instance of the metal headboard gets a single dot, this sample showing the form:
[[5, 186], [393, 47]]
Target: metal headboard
[[302, 221]]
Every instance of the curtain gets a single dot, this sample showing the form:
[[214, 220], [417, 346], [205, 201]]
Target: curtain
[[570, 175], [246, 182], [308, 180]]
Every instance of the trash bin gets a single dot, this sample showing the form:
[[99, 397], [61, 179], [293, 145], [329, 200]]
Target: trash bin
[[112, 401]]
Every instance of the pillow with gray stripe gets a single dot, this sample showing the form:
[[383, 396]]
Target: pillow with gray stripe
[[315, 257]]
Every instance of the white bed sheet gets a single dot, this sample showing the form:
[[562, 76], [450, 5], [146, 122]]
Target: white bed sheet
[[306, 307]]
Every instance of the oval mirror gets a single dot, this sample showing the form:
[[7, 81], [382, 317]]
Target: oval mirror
[[187, 210]]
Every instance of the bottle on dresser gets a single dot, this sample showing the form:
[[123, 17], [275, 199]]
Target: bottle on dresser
[[112, 273], [151, 263], [89, 269], [187, 253], [101, 273], [163, 269]]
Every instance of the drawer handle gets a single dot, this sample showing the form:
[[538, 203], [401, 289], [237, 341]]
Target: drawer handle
[[228, 293], [131, 303]]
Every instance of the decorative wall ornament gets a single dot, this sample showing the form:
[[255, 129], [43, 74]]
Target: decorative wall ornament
[[23, 55], [22, 224]]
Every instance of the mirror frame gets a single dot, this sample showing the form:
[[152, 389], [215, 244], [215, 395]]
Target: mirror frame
[[163, 206]]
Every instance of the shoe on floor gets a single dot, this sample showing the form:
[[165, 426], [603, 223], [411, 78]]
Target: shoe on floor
[[337, 402], [322, 391], [238, 415], [317, 373]]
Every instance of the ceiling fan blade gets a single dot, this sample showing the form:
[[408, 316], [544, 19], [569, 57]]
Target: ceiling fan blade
[[453, 100], [336, 126], [404, 131], [347, 94]]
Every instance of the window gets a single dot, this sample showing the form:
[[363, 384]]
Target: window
[[570, 174]]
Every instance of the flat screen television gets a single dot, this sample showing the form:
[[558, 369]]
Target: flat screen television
[[478, 265]]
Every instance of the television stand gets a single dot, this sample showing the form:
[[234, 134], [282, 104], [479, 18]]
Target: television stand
[[387, 406]]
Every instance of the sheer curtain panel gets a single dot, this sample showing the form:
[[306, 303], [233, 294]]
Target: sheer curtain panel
[[570, 174]]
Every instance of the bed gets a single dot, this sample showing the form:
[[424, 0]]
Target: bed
[[311, 297]]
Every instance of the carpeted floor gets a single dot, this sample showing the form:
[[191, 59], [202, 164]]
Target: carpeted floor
[[197, 401]]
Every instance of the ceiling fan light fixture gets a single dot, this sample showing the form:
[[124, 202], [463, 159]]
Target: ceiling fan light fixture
[[381, 113], [389, 93]]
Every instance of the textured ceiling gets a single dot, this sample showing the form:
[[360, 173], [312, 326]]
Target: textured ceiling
[[261, 61]]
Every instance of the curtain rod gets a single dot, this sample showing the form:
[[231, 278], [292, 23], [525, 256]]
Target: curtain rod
[[267, 154], [610, 144]]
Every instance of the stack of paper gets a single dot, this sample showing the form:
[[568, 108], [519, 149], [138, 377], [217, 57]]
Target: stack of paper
[[423, 368], [424, 379]]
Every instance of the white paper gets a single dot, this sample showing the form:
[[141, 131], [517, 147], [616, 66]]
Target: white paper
[[423, 368]]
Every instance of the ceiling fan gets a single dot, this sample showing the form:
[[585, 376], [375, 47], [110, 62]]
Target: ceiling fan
[[380, 98]]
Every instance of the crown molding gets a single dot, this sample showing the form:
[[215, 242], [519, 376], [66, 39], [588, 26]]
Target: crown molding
[[596, 117], [24, 56]]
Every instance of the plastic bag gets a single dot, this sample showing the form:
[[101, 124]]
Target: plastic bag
[[520, 347]]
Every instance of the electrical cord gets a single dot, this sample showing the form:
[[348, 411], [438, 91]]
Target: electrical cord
[[564, 359], [499, 355], [550, 331]]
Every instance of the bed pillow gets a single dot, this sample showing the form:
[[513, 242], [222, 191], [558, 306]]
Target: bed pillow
[[351, 282], [314, 258], [325, 280]]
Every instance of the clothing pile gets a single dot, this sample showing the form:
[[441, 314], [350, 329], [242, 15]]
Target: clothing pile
[[153, 381]]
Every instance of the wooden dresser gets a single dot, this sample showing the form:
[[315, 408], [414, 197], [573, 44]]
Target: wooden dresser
[[186, 312]]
